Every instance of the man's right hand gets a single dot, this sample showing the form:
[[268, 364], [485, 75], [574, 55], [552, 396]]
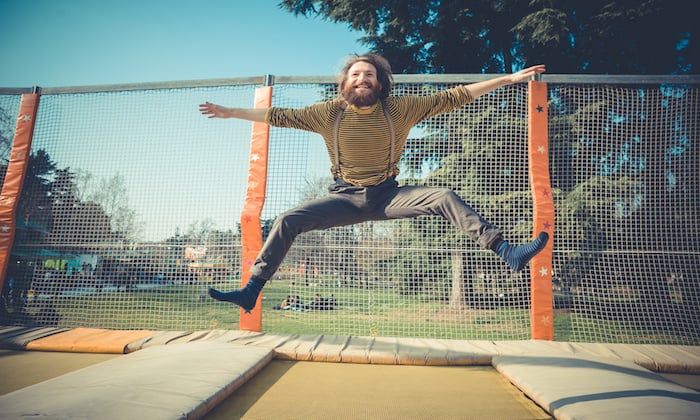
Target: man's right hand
[[218, 111], [214, 110]]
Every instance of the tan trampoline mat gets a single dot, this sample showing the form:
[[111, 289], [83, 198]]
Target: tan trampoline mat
[[312, 390], [22, 368]]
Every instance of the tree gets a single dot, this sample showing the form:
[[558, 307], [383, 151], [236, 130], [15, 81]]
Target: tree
[[76, 223], [198, 232], [613, 37], [474, 36], [51, 203], [112, 196], [36, 199], [626, 167]]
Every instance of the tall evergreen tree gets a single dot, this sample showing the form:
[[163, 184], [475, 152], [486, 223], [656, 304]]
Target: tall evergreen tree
[[474, 36]]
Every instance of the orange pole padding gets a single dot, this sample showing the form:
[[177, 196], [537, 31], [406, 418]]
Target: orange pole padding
[[541, 312], [251, 228], [14, 177]]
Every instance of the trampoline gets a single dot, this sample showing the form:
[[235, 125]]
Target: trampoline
[[306, 390], [114, 373], [237, 374]]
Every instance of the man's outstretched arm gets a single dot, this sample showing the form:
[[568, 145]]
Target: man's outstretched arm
[[218, 111], [481, 88]]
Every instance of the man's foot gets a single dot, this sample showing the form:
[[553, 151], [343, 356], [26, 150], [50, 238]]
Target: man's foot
[[517, 256], [245, 297]]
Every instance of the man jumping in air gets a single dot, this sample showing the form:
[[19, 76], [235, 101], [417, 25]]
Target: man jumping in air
[[365, 131]]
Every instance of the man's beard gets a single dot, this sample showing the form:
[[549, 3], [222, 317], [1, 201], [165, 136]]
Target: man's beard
[[364, 99]]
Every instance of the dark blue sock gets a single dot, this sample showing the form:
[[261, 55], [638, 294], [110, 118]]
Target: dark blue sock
[[517, 256], [245, 297]]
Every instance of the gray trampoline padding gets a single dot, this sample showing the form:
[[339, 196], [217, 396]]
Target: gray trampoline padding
[[160, 382], [17, 338], [584, 388]]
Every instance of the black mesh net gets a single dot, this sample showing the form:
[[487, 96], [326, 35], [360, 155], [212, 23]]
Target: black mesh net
[[131, 210]]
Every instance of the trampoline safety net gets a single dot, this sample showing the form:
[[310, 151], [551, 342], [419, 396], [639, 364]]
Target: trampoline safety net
[[131, 209]]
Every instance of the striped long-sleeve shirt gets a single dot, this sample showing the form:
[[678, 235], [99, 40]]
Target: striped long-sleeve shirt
[[364, 136]]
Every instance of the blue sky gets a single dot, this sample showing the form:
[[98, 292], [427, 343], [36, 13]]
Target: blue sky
[[60, 43], [51, 43]]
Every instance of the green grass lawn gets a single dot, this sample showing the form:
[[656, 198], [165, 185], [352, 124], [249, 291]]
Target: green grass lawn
[[379, 311]]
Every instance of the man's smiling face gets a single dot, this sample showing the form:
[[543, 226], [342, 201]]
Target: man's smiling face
[[362, 88]]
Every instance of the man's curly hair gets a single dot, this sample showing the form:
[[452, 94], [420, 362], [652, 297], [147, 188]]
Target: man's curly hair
[[384, 75]]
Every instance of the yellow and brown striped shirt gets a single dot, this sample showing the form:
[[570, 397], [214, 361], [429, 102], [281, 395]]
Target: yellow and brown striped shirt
[[363, 136]]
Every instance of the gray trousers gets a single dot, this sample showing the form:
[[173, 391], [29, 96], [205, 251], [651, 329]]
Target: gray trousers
[[348, 204]]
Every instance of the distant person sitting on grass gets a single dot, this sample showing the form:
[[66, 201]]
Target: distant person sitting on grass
[[290, 303], [365, 132], [322, 304]]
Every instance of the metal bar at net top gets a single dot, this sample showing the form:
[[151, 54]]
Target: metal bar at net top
[[626, 79]]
